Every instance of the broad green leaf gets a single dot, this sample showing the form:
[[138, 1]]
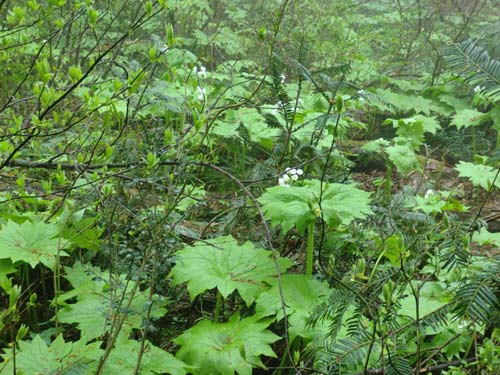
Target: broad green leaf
[[226, 266], [301, 294], [6, 267], [297, 205], [466, 118], [430, 124], [32, 243], [432, 297], [123, 360], [479, 174], [410, 129], [225, 348], [101, 298], [484, 237], [37, 358], [403, 157], [393, 249]]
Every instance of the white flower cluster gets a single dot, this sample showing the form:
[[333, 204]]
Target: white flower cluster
[[291, 174], [429, 193], [478, 89], [201, 93], [200, 73]]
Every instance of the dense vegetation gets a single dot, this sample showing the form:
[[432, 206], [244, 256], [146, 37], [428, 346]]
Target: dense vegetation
[[266, 187]]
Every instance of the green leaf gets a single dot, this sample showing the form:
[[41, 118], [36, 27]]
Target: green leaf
[[466, 118], [432, 297], [123, 360], [479, 174], [37, 358], [253, 122], [32, 243], [430, 124], [301, 294], [226, 266], [225, 348], [6, 267], [403, 157], [297, 205], [101, 298], [484, 237]]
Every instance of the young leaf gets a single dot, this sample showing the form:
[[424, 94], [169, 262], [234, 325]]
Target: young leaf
[[226, 266], [479, 174], [225, 348], [297, 205], [32, 243]]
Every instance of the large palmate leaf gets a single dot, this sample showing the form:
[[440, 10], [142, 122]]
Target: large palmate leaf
[[297, 205], [479, 174], [124, 356], [32, 243], [37, 358], [301, 294], [225, 348], [466, 118], [223, 264], [101, 299], [403, 157]]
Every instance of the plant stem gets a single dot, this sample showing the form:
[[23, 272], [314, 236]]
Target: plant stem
[[310, 245], [218, 305]]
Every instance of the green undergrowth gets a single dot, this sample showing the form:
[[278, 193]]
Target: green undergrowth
[[180, 188]]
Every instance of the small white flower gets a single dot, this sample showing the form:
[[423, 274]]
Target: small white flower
[[282, 77], [300, 172], [203, 72], [429, 193], [286, 178], [164, 48], [295, 177], [281, 182], [201, 93], [478, 89], [292, 171], [287, 169]]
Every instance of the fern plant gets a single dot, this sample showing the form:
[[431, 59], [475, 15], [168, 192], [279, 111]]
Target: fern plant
[[474, 64]]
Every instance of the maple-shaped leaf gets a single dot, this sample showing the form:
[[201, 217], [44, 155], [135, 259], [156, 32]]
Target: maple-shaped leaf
[[125, 354], [225, 348], [479, 174], [403, 157], [36, 357], [297, 205], [301, 295], [223, 264], [101, 298], [32, 243], [466, 117]]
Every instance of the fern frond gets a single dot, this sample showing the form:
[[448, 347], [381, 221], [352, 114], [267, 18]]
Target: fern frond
[[476, 301], [398, 366], [474, 64]]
